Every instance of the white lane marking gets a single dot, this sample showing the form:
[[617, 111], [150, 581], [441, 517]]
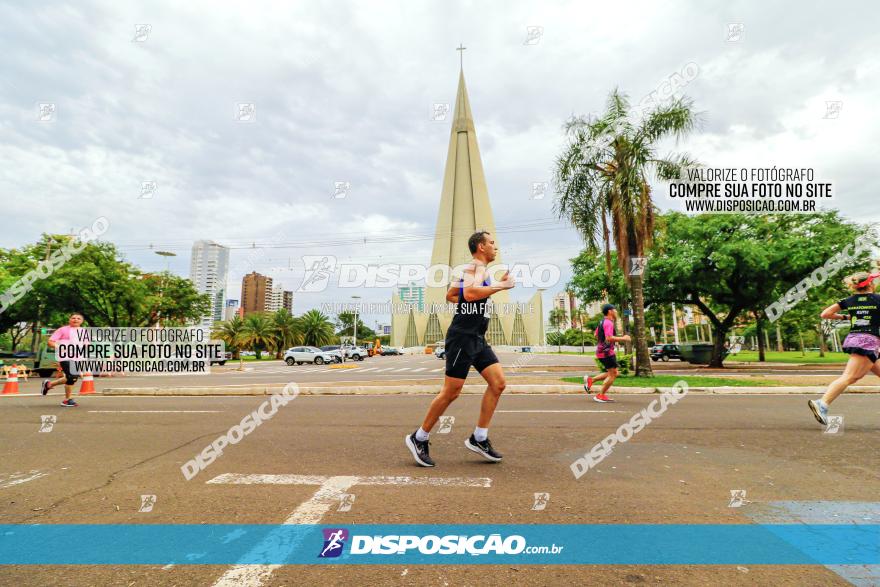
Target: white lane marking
[[155, 411], [311, 512], [556, 411], [308, 512], [19, 478], [258, 479], [436, 370], [368, 369], [419, 369], [404, 369]]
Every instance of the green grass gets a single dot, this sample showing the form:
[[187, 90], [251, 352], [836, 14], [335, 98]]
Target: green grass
[[789, 357], [692, 380]]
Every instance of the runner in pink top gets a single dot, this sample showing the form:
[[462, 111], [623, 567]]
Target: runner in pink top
[[64, 334], [605, 354]]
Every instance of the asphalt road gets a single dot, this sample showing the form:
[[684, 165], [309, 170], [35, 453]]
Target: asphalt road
[[100, 458], [428, 368]]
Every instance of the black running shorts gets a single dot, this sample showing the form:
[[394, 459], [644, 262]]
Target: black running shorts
[[608, 362], [71, 378], [463, 351]]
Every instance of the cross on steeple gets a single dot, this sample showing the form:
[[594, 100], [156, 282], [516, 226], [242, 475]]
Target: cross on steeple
[[460, 50]]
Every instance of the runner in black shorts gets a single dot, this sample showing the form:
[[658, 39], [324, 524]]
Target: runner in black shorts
[[466, 346], [862, 343]]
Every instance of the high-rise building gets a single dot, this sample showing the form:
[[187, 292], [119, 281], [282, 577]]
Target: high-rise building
[[256, 293], [412, 294], [464, 209], [567, 302], [275, 299], [208, 270], [231, 310], [287, 301]]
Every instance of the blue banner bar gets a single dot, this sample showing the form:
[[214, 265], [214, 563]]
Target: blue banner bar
[[564, 544]]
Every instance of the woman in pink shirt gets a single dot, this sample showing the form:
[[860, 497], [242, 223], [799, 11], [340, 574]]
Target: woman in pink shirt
[[605, 354], [64, 334]]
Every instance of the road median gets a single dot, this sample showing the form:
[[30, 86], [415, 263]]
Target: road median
[[556, 388]]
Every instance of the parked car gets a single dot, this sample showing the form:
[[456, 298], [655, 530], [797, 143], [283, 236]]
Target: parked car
[[440, 351], [307, 354], [390, 350], [336, 351], [664, 352], [247, 354], [355, 353]]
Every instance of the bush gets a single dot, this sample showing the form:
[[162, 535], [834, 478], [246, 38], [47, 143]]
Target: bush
[[624, 363]]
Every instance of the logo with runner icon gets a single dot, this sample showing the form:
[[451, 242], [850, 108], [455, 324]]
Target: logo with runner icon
[[334, 541]]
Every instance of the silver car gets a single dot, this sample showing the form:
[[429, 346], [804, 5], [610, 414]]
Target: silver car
[[307, 354]]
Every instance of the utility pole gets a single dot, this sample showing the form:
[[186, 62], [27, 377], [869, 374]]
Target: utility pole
[[675, 323]]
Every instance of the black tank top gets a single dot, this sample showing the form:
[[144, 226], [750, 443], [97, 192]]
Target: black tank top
[[471, 318], [864, 313]]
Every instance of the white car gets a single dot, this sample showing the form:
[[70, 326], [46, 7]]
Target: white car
[[355, 353], [307, 354]]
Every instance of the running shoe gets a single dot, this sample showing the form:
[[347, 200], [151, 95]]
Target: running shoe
[[588, 383], [69, 403], [484, 449], [820, 412], [602, 398], [419, 450], [45, 387]]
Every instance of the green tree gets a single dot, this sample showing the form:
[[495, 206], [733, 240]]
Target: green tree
[[316, 328], [99, 284], [229, 331], [558, 319], [287, 331], [345, 327], [733, 264], [258, 333], [601, 181]]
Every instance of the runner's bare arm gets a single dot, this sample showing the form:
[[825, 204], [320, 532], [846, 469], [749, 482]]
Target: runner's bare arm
[[452, 292], [832, 313], [477, 275]]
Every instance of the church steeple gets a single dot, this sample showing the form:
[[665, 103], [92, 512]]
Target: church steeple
[[464, 208]]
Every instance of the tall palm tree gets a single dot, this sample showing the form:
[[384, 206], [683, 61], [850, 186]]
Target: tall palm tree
[[258, 333], [229, 331], [601, 180], [316, 328], [287, 331]]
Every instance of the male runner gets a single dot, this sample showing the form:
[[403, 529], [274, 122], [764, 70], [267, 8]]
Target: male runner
[[465, 346], [862, 343], [64, 334], [605, 353]]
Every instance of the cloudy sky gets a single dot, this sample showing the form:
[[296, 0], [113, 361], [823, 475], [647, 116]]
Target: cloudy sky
[[344, 92]]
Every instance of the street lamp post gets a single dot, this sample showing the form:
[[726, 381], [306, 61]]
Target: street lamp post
[[355, 320]]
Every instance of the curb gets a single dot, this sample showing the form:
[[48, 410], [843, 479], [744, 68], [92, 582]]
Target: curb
[[468, 389]]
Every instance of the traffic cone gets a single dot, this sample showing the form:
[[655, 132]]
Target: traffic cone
[[88, 384], [11, 382]]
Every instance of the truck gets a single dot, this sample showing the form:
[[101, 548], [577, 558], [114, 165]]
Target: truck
[[43, 362]]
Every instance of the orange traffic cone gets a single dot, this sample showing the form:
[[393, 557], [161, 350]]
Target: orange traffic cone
[[11, 382], [88, 384]]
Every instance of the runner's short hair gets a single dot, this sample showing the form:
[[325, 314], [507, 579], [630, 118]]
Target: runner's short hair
[[476, 239], [76, 314]]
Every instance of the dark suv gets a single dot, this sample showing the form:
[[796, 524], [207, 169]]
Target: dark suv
[[664, 352]]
